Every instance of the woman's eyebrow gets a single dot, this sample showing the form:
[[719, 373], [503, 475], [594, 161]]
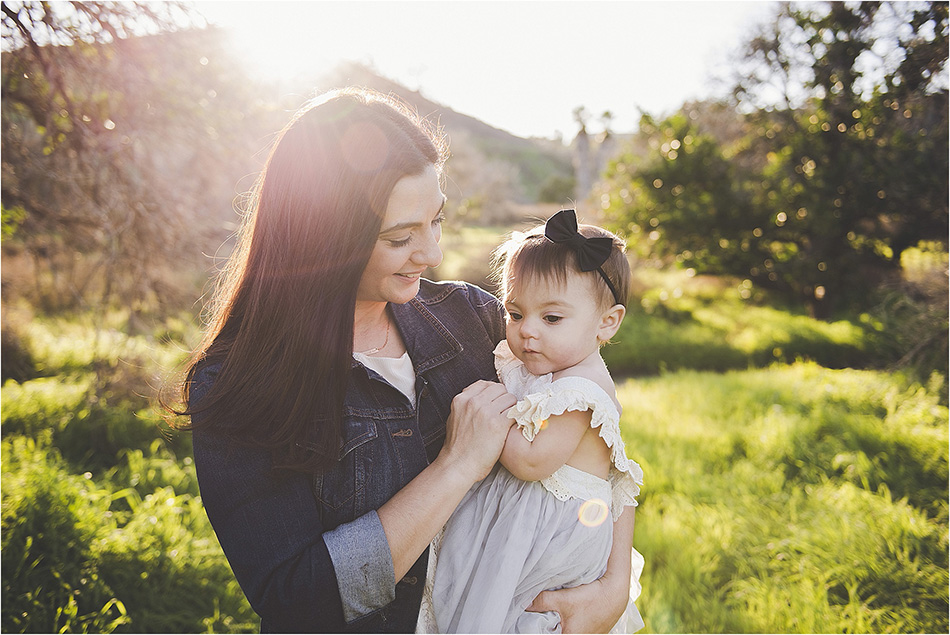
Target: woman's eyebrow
[[411, 225]]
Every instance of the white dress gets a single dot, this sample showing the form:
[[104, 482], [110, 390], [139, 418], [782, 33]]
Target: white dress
[[509, 540]]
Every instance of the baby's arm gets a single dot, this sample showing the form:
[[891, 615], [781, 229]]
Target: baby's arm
[[552, 446]]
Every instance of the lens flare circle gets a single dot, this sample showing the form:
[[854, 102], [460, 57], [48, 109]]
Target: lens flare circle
[[364, 146], [593, 512]]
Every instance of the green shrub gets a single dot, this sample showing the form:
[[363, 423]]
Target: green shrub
[[169, 567], [84, 554], [154, 469], [103, 529], [47, 403], [89, 432]]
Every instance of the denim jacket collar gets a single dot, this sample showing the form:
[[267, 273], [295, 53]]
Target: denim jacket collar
[[427, 340]]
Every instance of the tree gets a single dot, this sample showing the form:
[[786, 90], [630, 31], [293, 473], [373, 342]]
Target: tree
[[687, 198], [842, 166], [38, 28], [118, 149]]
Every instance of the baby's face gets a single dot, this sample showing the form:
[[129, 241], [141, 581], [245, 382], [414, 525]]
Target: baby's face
[[552, 326]]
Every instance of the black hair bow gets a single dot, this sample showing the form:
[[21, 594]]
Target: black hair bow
[[591, 253]]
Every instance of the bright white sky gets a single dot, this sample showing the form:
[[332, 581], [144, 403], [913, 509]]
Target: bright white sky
[[519, 65]]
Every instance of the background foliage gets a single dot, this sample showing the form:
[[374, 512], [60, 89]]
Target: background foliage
[[783, 368], [835, 161]]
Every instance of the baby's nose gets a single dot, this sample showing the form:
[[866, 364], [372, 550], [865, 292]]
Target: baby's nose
[[528, 329]]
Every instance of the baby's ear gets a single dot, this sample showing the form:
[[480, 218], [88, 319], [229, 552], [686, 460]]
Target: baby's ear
[[610, 321]]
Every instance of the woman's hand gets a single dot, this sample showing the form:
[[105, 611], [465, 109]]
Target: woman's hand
[[589, 608], [596, 607], [475, 434], [477, 427]]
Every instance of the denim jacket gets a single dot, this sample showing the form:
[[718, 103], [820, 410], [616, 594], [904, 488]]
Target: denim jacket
[[309, 551]]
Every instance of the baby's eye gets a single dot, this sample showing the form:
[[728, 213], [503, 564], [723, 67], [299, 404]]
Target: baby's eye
[[552, 319], [514, 316]]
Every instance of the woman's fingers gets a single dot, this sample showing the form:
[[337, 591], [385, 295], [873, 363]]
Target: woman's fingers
[[478, 425], [583, 609], [484, 401], [496, 397]]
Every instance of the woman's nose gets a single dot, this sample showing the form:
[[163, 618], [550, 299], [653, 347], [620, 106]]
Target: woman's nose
[[429, 252]]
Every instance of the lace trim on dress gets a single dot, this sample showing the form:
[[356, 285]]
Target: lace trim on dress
[[569, 482], [425, 623]]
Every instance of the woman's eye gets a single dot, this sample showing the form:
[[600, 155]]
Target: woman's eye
[[401, 243], [552, 319], [438, 220]]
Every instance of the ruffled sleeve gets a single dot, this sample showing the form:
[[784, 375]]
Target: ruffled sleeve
[[541, 398], [578, 393]]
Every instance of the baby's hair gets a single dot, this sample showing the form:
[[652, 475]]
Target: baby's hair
[[530, 256]]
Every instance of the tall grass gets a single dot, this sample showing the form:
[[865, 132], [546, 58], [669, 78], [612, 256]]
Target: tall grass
[[794, 497], [790, 499], [103, 527]]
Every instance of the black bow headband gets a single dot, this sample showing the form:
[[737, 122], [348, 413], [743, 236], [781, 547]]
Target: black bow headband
[[591, 252]]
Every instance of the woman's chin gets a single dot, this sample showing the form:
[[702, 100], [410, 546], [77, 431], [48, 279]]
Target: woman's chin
[[404, 290]]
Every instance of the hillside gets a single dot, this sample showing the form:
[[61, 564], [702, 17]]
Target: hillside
[[491, 171]]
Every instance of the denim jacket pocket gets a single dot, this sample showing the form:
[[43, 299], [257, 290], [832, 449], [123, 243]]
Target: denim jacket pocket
[[341, 489]]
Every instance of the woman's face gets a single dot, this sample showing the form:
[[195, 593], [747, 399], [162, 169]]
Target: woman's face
[[408, 241]]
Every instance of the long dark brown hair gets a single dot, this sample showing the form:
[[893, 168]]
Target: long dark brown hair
[[281, 320]]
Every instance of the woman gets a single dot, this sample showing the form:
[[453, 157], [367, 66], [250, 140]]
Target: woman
[[341, 405]]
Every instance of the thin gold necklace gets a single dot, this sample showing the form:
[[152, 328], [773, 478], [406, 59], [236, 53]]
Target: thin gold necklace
[[375, 350]]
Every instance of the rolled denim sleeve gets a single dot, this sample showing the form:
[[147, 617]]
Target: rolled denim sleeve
[[363, 564]]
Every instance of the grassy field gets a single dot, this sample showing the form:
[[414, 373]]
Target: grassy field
[[789, 486], [790, 499], [103, 528]]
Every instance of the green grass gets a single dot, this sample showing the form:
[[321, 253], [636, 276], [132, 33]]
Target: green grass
[[790, 499], [103, 528], [780, 495], [678, 322], [84, 554]]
